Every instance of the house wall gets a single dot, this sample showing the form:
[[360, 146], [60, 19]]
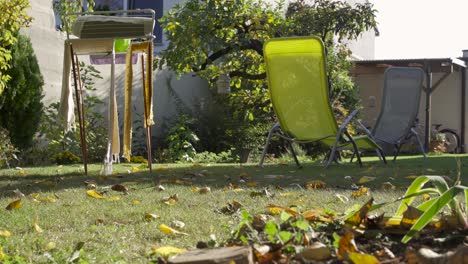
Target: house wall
[[445, 107]]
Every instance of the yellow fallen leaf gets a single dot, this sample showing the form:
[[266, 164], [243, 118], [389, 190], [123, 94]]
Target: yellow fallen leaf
[[195, 189], [359, 216], [169, 231], [426, 197], [5, 233], [94, 194], [150, 216], [22, 172], [360, 192], [365, 179], [135, 169], [14, 205], [315, 184], [318, 216], [346, 245], [136, 202], [49, 246], [410, 216], [168, 251], [252, 184], [204, 190], [113, 198], [275, 210], [359, 258], [171, 200], [37, 228]]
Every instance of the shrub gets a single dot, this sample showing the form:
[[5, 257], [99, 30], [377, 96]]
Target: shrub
[[7, 150], [20, 104], [65, 157]]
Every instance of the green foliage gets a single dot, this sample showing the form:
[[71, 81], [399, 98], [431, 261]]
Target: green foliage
[[444, 195], [180, 140], [138, 159], [65, 157], [7, 150], [210, 157], [20, 104], [329, 18], [63, 7], [13, 17], [96, 131]]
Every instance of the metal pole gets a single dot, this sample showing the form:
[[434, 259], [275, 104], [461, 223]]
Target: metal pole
[[79, 104], [148, 128], [427, 134], [463, 109]]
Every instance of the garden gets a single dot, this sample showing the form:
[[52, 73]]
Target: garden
[[205, 199]]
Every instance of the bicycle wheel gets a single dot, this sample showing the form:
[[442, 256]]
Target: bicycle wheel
[[452, 140]]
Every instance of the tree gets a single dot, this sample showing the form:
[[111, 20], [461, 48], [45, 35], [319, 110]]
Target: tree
[[20, 104], [13, 17], [211, 37]]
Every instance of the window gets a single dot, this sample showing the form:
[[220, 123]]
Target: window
[[157, 6]]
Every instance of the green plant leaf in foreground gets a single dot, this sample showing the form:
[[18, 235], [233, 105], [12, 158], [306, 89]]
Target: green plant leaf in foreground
[[418, 183], [433, 210]]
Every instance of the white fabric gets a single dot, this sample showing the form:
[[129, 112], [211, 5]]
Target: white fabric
[[66, 111], [146, 22], [113, 145]]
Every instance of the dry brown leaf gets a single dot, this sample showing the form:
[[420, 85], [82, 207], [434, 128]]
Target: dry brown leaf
[[14, 205], [410, 216], [318, 216], [387, 186], [231, 208], [316, 252], [119, 188], [171, 200], [315, 184]]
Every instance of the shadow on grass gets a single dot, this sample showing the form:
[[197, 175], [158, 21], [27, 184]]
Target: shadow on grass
[[53, 178]]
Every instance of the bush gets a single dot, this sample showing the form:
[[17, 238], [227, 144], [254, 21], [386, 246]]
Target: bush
[[65, 157], [7, 150], [20, 104]]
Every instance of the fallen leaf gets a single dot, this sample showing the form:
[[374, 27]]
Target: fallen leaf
[[315, 184], [135, 169], [318, 216], [94, 194], [359, 216], [204, 190], [410, 216], [169, 231], [365, 179], [136, 202], [252, 184], [49, 246], [360, 192], [316, 252], [359, 258], [150, 216], [168, 251], [387, 186], [275, 210], [342, 198], [5, 233], [37, 228], [346, 245], [171, 200], [231, 208], [411, 177], [113, 198], [426, 197], [119, 188], [14, 205], [160, 188], [178, 224]]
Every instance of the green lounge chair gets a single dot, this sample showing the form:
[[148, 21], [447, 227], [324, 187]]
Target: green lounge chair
[[298, 87]]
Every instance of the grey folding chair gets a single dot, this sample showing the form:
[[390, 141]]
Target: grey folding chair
[[399, 109]]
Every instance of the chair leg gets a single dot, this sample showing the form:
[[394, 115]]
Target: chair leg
[[294, 154], [381, 155], [421, 146], [265, 148], [332, 155], [398, 148]]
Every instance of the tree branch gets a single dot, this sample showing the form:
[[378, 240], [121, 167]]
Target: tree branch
[[247, 75]]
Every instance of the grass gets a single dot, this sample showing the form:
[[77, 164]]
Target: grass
[[116, 231]]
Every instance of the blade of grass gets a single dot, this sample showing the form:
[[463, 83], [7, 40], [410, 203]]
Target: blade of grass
[[435, 208]]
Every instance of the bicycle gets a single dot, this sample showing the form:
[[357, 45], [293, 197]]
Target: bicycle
[[452, 140]]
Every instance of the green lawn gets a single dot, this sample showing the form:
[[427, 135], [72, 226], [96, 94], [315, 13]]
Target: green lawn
[[116, 231]]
